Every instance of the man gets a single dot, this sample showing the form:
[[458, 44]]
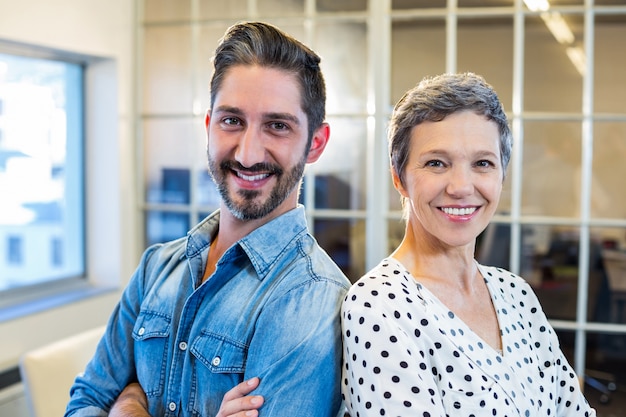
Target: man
[[248, 292]]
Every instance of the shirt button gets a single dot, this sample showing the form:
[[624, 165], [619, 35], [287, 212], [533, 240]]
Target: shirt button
[[182, 345], [216, 361], [172, 406], [141, 331]]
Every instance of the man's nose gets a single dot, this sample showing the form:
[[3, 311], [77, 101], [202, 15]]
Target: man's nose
[[250, 148]]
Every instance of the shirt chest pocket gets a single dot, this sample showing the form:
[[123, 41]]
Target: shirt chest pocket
[[218, 364], [220, 354], [151, 332]]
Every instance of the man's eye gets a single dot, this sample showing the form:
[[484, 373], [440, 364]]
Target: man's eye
[[278, 126], [231, 121]]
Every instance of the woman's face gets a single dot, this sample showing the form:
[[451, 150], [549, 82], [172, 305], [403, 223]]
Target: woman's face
[[453, 178]]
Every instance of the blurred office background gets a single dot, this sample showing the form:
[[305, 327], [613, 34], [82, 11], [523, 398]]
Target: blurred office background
[[119, 159]]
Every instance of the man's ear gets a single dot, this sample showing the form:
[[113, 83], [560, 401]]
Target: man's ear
[[207, 119], [318, 143]]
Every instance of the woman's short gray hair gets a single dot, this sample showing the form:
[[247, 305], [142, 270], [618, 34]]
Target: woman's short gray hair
[[435, 98]]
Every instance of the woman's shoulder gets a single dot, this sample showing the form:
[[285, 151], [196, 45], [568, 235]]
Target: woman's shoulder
[[508, 284], [385, 273], [501, 275], [388, 276]]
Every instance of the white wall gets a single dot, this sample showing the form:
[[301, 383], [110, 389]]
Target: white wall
[[102, 28]]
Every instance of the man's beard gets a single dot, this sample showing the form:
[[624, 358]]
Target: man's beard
[[249, 206]]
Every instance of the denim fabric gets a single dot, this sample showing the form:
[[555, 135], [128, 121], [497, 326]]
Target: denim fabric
[[271, 309]]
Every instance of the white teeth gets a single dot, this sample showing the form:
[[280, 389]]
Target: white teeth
[[459, 211], [252, 177]]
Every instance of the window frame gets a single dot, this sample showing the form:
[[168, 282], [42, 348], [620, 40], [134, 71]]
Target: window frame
[[33, 298]]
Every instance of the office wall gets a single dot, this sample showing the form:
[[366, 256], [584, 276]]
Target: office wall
[[104, 29]]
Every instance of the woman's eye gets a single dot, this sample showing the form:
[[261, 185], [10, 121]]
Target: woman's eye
[[484, 164], [434, 163]]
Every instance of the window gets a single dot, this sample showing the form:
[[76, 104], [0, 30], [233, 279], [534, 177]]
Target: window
[[56, 251], [41, 170], [14, 250]]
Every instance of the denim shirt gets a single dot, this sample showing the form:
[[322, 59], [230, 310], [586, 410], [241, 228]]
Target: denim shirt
[[270, 309]]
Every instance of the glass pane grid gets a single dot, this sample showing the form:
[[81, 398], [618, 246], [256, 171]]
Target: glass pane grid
[[541, 215]]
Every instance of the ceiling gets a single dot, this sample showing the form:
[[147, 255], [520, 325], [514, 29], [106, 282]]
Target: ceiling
[[361, 5]]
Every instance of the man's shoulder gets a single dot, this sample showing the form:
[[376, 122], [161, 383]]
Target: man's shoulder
[[311, 254], [165, 250], [305, 262]]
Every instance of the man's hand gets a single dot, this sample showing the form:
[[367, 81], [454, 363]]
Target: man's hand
[[132, 402], [236, 404]]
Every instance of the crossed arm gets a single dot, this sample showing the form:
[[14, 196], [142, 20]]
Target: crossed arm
[[132, 402]]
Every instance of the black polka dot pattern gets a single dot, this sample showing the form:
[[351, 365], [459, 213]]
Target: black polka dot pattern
[[406, 354]]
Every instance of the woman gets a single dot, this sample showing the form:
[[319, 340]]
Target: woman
[[429, 331]]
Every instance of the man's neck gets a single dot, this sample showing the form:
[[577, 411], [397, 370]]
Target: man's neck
[[230, 230]]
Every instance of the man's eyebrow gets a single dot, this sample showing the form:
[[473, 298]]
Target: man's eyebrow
[[267, 116], [282, 116], [228, 109]]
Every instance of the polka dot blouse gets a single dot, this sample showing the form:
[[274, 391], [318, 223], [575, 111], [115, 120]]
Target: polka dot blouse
[[406, 354]]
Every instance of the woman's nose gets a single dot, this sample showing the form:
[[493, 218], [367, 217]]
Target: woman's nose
[[460, 182]]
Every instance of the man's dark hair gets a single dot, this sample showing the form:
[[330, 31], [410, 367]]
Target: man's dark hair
[[258, 43]]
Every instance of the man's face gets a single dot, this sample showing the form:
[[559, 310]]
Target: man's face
[[257, 141]]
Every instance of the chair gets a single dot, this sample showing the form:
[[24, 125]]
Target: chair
[[48, 372], [615, 266]]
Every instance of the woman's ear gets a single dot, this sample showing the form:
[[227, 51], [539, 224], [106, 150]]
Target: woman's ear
[[318, 143], [397, 183]]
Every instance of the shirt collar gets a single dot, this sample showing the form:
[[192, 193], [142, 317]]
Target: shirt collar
[[263, 246], [267, 243], [199, 238]]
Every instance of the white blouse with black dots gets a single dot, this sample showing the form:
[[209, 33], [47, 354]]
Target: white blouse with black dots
[[406, 354]]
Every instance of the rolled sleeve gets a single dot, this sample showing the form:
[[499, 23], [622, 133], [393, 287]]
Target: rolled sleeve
[[113, 364]]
